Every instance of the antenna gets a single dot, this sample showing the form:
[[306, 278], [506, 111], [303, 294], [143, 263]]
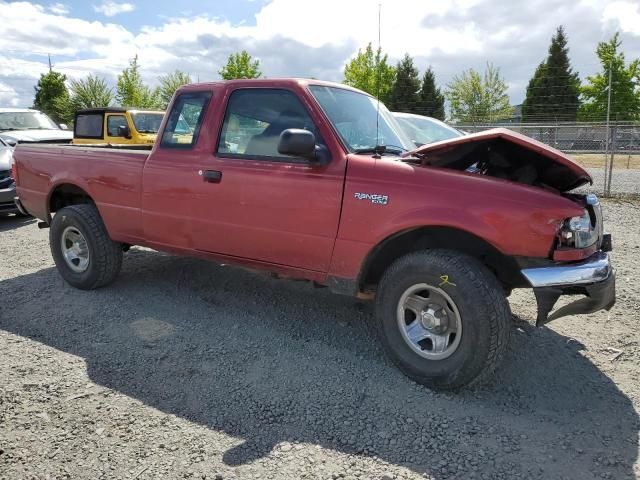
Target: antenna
[[378, 53], [50, 66]]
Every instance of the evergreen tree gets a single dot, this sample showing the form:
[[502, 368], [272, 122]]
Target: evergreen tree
[[553, 91], [371, 73], [431, 99], [51, 95], [240, 65], [404, 92], [625, 86]]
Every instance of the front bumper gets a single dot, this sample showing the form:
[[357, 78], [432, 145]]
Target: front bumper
[[594, 278], [7, 204]]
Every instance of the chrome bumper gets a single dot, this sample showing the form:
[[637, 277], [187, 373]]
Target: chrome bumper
[[594, 278], [594, 269]]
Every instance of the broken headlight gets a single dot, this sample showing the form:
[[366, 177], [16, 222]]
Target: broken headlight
[[578, 232]]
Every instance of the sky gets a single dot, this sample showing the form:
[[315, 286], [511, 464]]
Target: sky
[[300, 38]]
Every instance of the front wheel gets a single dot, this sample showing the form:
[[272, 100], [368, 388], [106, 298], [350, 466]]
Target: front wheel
[[443, 318], [84, 253]]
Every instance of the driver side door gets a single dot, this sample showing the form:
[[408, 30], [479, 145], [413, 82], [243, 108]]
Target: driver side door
[[258, 204]]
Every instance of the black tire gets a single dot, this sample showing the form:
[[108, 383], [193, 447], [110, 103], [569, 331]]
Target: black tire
[[484, 314], [105, 255]]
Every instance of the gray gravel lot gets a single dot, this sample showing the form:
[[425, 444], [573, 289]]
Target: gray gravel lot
[[184, 369], [623, 181]]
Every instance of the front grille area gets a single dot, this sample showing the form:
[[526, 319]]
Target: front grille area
[[7, 206], [4, 174], [6, 183]]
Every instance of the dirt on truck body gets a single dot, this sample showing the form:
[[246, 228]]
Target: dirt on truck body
[[314, 180]]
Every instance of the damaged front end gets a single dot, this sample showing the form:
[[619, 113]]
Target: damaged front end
[[579, 263], [593, 278]]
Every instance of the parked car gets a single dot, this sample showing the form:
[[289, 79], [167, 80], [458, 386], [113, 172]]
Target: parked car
[[327, 189], [116, 126], [23, 125], [7, 185], [424, 130]]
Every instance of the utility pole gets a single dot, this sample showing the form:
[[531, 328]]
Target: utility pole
[[607, 169]]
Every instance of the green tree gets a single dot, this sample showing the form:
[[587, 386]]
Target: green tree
[[91, 92], [371, 73], [553, 93], [51, 95], [478, 98], [240, 65], [170, 83], [625, 86], [431, 99], [403, 96], [132, 92]]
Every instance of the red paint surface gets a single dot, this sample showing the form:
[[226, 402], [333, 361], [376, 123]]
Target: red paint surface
[[294, 218]]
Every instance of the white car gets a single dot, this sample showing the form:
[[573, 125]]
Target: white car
[[23, 125], [425, 130]]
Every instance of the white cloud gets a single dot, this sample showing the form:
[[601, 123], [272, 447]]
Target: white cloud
[[111, 9], [625, 14], [450, 36], [8, 95], [59, 9]]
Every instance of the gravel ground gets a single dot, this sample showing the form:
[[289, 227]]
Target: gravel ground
[[623, 181], [184, 369]]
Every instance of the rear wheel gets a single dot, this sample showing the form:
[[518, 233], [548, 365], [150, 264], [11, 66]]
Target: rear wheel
[[442, 318], [83, 252]]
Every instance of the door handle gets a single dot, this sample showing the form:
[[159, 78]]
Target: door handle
[[212, 176]]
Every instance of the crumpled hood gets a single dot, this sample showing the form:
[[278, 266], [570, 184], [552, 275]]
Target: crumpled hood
[[506, 154], [28, 136]]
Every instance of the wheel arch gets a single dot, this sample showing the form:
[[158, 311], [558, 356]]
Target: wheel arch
[[64, 194], [380, 257]]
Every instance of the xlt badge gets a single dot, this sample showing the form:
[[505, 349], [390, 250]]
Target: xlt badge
[[375, 198]]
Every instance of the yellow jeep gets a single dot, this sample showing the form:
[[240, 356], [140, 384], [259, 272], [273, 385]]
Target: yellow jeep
[[116, 126]]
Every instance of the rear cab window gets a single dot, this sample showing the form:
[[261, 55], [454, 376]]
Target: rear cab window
[[185, 120]]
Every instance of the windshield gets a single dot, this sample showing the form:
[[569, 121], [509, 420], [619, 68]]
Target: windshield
[[26, 121], [354, 116], [147, 122], [425, 130]]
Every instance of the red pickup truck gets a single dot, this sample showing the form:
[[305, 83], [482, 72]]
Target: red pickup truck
[[314, 180]]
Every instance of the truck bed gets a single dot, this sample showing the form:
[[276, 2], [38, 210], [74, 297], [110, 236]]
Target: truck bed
[[112, 176]]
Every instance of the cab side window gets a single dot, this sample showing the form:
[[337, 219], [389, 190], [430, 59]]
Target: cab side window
[[113, 122], [254, 120]]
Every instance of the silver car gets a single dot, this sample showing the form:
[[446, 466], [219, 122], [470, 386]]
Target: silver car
[[7, 185]]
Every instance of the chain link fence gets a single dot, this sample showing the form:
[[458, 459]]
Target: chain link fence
[[612, 157]]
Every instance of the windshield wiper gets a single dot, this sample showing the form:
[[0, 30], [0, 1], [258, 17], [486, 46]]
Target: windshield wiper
[[382, 149], [147, 131]]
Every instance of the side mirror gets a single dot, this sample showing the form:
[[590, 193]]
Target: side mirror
[[123, 131], [63, 126], [12, 142], [297, 142]]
